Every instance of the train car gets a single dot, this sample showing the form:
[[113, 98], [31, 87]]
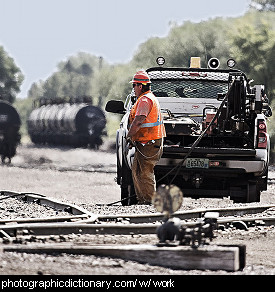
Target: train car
[[10, 137], [72, 124]]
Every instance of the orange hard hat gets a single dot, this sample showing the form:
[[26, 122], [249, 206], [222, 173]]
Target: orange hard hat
[[141, 77]]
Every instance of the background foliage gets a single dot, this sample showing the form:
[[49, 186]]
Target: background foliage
[[11, 77], [249, 39]]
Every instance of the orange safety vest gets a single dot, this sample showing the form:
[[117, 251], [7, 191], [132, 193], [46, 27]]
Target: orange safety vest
[[153, 127]]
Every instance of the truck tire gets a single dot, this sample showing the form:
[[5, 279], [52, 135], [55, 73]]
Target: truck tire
[[127, 189], [253, 193]]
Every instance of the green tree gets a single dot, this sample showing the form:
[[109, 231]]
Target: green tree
[[253, 47], [24, 106], [148, 52], [36, 90], [206, 40], [53, 86], [11, 77], [263, 5], [73, 78]]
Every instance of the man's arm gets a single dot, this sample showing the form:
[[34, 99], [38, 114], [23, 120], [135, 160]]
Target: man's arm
[[135, 126]]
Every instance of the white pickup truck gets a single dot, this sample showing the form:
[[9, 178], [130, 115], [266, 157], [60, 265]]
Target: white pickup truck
[[217, 143]]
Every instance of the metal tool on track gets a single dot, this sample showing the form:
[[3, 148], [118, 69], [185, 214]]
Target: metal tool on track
[[168, 199]]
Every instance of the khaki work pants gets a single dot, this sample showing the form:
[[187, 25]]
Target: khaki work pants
[[146, 157]]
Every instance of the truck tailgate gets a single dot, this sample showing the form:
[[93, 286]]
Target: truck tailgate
[[209, 151]]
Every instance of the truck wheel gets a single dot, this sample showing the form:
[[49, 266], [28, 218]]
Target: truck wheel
[[128, 196], [253, 193]]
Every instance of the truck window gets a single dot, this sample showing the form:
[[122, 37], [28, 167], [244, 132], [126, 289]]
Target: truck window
[[189, 88]]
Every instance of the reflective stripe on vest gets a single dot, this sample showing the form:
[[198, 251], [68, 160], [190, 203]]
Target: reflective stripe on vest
[[149, 125]]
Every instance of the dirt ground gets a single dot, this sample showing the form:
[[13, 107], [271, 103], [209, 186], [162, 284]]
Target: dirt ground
[[86, 177]]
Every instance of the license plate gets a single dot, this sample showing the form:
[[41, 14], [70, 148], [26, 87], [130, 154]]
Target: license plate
[[197, 163]]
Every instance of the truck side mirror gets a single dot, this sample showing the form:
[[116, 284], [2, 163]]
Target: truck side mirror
[[115, 106]]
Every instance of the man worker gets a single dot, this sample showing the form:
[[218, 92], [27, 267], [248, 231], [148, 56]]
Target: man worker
[[146, 133]]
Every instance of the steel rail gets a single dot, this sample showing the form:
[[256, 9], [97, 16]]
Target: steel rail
[[66, 228], [262, 220], [185, 215], [132, 218], [45, 219], [49, 202], [138, 224], [110, 170]]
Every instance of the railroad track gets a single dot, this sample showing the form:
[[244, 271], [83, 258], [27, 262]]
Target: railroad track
[[77, 168], [81, 221]]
